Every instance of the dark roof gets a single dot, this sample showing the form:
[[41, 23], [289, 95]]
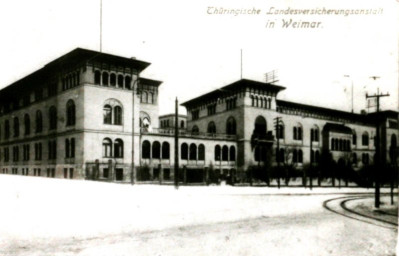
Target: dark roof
[[69, 60], [332, 127], [236, 86], [363, 118], [321, 110], [151, 82], [385, 114], [169, 115]]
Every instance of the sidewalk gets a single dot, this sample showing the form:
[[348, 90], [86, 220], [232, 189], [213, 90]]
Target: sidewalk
[[386, 213]]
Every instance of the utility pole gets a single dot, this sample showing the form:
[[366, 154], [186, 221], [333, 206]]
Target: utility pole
[[377, 145], [176, 144], [278, 155]]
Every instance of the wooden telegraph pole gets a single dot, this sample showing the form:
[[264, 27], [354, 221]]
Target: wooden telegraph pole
[[377, 145]]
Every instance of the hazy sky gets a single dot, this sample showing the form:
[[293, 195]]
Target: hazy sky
[[195, 52]]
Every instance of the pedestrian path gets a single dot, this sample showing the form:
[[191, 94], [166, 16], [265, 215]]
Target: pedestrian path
[[361, 208]]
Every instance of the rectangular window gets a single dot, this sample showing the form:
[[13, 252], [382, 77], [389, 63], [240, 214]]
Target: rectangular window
[[38, 151], [6, 154], [65, 173], [15, 154], [119, 174], [195, 114], [105, 172], [211, 109], [71, 173]]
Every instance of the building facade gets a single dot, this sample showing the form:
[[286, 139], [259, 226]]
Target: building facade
[[89, 115]]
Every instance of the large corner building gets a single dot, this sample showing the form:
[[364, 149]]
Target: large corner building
[[91, 115]]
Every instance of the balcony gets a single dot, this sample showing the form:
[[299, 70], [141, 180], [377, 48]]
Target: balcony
[[185, 133]]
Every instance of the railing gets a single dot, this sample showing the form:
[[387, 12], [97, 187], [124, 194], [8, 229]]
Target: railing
[[186, 133]]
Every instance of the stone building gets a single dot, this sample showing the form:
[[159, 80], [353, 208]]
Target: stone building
[[89, 115]]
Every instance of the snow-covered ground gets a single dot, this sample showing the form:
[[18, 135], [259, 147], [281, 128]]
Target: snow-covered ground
[[39, 212]]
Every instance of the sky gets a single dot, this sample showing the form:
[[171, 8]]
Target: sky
[[194, 52]]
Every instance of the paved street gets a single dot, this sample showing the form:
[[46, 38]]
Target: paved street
[[61, 217]]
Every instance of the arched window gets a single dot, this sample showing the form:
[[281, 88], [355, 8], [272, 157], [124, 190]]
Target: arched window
[[232, 153], [231, 127], [332, 144], [53, 117], [312, 156], [225, 153], [280, 131], [365, 158], [107, 114], [298, 132], [39, 121], [260, 125], [16, 127], [270, 103], [181, 124], [217, 153], [128, 81], [150, 97], [300, 156], [195, 130], [314, 134], [184, 151], [117, 115], [365, 139], [294, 156], [165, 150], [156, 150], [354, 137], [120, 81], [261, 102], [107, 147], [70, 113], [144, 97], [118, 148], [201, 152], [252, 101], [112, 79], [105, 78], [145, 123], [193, 151], [27, 124], [317, 157], [146, 149], [7, 129], [256, 101], [97, 77], [211, 127], [67, 148], [341, 146], [354, 158]]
